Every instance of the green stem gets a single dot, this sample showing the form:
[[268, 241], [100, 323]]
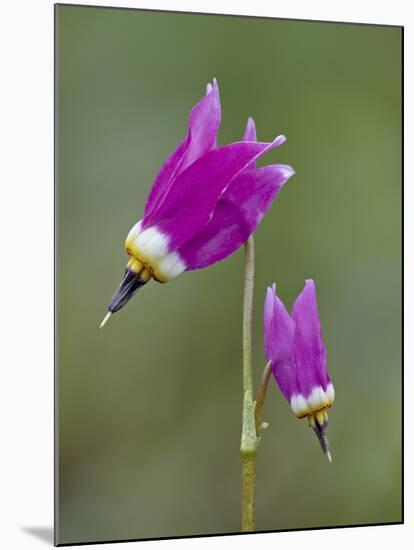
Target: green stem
[[249, 440], [261, 395], [248, 315]]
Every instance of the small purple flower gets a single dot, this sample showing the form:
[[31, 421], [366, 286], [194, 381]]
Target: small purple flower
[[294, 345], [204, 204]]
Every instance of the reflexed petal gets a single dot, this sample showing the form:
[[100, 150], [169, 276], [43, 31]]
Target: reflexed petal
[[250, 132], [309, 352], [279, 332], [194, 193], [236, 215], [204, 123]]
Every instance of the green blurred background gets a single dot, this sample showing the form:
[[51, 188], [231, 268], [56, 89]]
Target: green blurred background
[[150, 408]]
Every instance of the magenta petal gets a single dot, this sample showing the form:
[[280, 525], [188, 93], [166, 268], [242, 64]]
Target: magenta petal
[[279, 330], [309, 350], [204, 123], [250, 132], [194, 193], [236, 215], [165, 177]]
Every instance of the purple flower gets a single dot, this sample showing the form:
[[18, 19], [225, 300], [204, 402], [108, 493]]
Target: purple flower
[[204, 204], [294, 345]]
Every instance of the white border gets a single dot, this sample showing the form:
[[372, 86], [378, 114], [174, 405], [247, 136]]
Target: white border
[[26, 123]]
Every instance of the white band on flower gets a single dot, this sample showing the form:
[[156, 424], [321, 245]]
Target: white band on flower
[[150, 247], [318, 399]]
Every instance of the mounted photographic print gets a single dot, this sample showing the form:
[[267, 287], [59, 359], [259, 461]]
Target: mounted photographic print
[[228, 274]]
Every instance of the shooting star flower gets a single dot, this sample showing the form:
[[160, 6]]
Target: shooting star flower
[[295, 348], [204, 204]]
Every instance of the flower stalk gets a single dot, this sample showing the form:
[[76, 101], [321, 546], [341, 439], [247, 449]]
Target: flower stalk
[[261, 395], [249, 439]]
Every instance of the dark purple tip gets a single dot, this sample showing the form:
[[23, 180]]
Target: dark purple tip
[[321, 431], [129, 286]]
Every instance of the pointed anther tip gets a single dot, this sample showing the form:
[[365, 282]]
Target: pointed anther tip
[[329, 456], [105, 320]]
